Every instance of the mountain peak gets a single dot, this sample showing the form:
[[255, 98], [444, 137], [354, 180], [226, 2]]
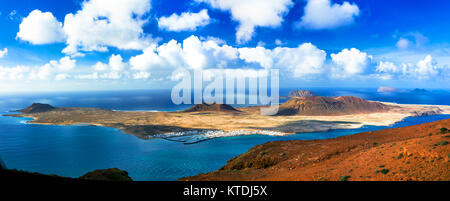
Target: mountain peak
[[204, 107], [322, 105], [37, 107]]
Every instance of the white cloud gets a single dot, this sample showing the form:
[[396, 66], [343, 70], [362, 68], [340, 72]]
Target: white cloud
[[3, 52], [426, 67], [99, 24], [184, 22], [141, 75], [253, 13], [259, 55], [42, 73], [278, 42], [115, 64], [306, 59], [65, 64], [113, 75], [103, 23], [113, 70], [323, 14], [115, 61], [61, 76], [15, 73], [92, 76], [192, 53], [412, 38], [349, 62], [386, 67], [47, 71], [40, 28], [148, 59], [403, 43], [100, 66], [62, 68]]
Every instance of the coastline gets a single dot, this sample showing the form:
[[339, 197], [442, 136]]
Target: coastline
[[189, 124]]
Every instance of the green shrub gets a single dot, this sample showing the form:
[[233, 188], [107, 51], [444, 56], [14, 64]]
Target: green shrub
[[442, 143], [384, 171], [444, 130], [344, 178]]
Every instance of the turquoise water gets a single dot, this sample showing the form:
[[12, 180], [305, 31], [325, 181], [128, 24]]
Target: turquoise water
[[74, 150]]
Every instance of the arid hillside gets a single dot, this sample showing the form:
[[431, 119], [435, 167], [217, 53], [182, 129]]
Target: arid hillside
[[321, 105], [419, 152]]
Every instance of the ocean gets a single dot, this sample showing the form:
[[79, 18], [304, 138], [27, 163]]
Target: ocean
[[74, 150]]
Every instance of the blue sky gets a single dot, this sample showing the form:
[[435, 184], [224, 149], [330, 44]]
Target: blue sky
[[136, 44]]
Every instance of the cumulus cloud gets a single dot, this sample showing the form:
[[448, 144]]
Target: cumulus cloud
[[386, 67], [349, 62], [192, 53], [253, 13], [15, 73], [259, 55], [103, 23], [3, 52], [47, 71], [99, 24], [65, 64], [184, 22], [54, 69], [113, 70], [40, 28], [425, 68], [323, 14], [306, 59]]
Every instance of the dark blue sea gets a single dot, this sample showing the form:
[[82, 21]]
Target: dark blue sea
[[74, 150]]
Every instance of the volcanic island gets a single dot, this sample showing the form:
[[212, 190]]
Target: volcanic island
[[303, 112], [419, 152]]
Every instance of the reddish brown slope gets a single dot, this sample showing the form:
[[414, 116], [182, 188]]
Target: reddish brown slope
[[418, 152], [322, 105]]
